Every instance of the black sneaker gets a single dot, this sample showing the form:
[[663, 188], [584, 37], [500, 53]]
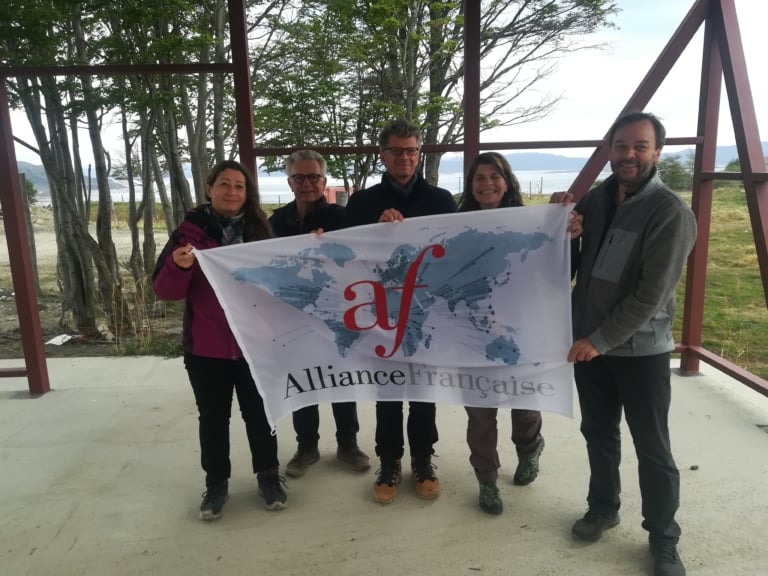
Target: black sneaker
[[666, 560], [214, 499], [271, 489], [594, 523]]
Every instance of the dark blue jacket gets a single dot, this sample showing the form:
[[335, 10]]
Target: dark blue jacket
[[366, 206], [285, 220]]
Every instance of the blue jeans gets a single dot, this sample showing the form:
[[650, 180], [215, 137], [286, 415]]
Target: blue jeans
[[641, 386]]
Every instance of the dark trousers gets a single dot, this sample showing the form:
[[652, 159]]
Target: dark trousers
[[422, 430], [641, 385], [306, 423], [483, 434], [213, 380]]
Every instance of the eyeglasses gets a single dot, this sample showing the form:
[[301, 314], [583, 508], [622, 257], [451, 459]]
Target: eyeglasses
[[397, 151], [299, 178]]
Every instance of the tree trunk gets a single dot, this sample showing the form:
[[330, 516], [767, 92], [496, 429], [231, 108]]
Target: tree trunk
[[74, 258]]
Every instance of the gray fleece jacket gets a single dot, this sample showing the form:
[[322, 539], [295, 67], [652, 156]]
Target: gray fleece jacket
[[628, 266]]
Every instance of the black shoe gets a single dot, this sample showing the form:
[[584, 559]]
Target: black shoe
[[666, 560], [594, 523], [271, 489], [214, 499]]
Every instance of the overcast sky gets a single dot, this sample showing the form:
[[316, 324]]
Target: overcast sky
[[596, 85]]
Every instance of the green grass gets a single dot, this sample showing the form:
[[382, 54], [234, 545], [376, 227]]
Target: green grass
[[735, 312]]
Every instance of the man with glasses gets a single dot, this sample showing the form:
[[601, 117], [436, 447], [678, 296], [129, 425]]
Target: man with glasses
[[402, 193], [311, 212]]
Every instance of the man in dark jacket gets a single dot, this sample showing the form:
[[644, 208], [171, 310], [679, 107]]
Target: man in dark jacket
[[402, 193], [311, 212], [637, 236]]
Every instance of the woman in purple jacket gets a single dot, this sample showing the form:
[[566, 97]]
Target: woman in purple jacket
[[212, 358]]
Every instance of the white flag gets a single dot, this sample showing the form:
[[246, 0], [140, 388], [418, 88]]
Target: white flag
[[470, 308]]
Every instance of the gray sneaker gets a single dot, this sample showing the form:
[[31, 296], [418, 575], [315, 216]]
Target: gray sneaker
[[353, 457], [301, 462]]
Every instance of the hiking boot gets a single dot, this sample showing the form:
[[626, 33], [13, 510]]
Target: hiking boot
[[490, 499], [528, 466], [214, 499], [271, 489], [427, 484], [666, 560], [301, 461], [353, 457], [389, 476], [594, 523]]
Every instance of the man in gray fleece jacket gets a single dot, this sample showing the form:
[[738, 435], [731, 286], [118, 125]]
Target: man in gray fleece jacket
[[637, 236]]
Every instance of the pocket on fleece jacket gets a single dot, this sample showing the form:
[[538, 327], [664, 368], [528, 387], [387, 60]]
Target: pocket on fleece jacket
[[614, 255]]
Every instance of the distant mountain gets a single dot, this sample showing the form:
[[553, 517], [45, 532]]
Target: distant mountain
[[35, 174], [453, 164], [545, 162]]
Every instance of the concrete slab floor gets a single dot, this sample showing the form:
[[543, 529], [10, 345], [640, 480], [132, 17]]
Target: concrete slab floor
[[101, 477]]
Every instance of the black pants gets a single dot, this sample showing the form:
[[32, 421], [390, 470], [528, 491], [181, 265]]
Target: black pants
[[422, 430], [213, 380], [641, 385], [306, 423]]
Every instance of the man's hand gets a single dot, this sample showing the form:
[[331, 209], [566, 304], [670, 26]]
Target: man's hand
[[582, 351], [391, 215], [560, 198], [575, 224]]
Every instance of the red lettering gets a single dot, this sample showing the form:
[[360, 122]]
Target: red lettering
[[379, 302]]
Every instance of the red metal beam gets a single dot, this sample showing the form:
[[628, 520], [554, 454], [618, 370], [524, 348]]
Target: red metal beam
[[238, 32], [701, 198], [11, 200], [113, 69], [745, 129], [736, 372], [471, 81]]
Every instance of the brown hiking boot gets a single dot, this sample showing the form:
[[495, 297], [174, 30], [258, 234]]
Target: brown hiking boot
[[427, 484], [301, 462], [353, 457], [389, 476]]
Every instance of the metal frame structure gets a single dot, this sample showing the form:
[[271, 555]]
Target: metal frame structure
[[723, 57]]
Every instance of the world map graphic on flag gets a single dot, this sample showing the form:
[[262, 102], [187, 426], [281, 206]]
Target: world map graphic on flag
[[457, 274]]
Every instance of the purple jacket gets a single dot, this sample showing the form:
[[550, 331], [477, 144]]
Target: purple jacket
[[206, 330]]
